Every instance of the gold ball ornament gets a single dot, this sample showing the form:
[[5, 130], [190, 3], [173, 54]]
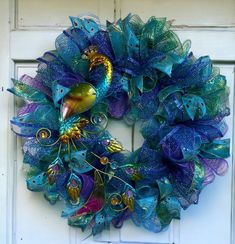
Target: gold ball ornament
[[43, 134], [104, 160], [116, 200]]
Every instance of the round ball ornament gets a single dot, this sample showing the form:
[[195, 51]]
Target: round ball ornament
[[130, 71]]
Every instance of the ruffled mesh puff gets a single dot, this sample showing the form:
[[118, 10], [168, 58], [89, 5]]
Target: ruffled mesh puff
[[181, 102]]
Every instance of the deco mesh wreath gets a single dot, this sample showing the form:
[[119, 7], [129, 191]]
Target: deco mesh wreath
[[132, 71]]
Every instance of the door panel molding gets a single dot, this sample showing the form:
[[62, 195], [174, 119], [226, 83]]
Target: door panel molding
[[36, 15], [29, 45]]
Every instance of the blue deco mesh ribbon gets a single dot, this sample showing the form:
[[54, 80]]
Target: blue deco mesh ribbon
[[132, 71]]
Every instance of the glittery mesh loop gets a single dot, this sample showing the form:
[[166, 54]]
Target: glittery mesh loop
[[133, 71]]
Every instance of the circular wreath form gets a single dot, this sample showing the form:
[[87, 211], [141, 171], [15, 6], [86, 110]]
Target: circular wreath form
[[133, 71]]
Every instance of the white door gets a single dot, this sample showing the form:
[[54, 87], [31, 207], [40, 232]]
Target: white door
[[27, 29]]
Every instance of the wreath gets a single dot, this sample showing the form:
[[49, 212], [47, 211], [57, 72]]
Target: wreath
[[131, 71]]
